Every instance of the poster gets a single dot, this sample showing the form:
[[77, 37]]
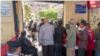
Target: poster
[[80, 8], [5, 9]]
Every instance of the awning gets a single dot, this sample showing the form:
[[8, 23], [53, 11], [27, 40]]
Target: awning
[[93, 4]]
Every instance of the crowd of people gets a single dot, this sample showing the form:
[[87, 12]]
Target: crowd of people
[[56, 41]]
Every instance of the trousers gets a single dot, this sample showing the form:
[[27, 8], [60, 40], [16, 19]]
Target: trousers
[[58, 47], [48, 50], [81, 52], [71, 51]]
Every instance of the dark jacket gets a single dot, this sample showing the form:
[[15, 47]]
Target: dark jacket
[[83, 39], [26, 47], [97, 39], [29, 27], [40, 26], [59, 32], [34, 29]]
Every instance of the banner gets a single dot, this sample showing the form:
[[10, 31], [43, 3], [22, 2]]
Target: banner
[[53, 1], [80, 9], [93, 4]]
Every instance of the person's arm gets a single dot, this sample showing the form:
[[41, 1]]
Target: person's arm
[[96, 37], [94, 31], [54, 36], [31, 32], [64, 30], [83, 36], [32, 26], [40, 35], [90, 37], [69, 34], [27, 44]]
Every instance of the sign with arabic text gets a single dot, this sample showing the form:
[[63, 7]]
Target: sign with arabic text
[[80, 8], [93, 4], [5, 9]]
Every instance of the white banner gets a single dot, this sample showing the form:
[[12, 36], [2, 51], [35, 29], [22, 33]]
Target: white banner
[[5, 9]]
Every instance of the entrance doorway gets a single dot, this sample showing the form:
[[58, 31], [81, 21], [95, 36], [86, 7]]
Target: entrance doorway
[[32, 12], [35, 7]]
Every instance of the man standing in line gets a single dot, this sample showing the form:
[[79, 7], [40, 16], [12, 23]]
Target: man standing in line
[[46, 38], [97, 39], [58, 38], [71, 38], [83, 39]]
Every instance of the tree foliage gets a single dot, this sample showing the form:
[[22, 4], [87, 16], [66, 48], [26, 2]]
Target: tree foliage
[[49, 13], [28, 11]]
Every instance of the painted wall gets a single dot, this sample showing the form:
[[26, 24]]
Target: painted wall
[[94, 19], [19, 14], [69, 11], [7, 25]]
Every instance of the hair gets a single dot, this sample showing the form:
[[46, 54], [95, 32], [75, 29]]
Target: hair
[[72, 21], [31, 21], [42, 19], [83, 22], [87, 24], [12, 49], [23, 32], [60, 22], [99, 24]]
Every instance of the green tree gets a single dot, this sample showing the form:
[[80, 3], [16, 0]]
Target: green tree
[[28, 11], [49, 13]]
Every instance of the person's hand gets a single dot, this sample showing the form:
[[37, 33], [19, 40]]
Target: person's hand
[[66, 39], [77, 32]]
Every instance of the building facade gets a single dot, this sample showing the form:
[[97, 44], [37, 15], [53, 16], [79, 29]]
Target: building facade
[[8, 23]]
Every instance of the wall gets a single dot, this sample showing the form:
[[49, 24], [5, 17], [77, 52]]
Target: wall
[[19, 13], [94, 19], [7, 25], [69, 11]]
